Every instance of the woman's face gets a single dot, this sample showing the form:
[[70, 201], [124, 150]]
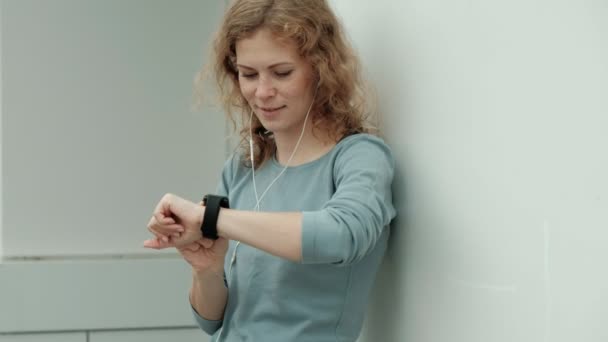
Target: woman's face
[[276, 81]]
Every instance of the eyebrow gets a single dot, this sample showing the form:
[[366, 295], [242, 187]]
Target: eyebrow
[[269, 67]]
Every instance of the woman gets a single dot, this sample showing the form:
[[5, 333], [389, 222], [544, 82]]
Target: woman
[[295, 256]]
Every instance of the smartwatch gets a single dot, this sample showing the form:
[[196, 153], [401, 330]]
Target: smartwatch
[[213, 204]]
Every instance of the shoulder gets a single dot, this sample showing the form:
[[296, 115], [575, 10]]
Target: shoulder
[[363, 153], [232, 170], [364, 147], [233, 165]]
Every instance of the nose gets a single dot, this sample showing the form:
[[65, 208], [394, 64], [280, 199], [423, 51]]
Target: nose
[[265, 88]]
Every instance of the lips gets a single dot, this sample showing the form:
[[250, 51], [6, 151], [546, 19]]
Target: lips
[[270, 113], [270, 109]]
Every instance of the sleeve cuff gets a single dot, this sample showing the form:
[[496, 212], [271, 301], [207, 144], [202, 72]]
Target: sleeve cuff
[[208, 326]]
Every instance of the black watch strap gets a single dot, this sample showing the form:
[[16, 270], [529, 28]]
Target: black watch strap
[[213, 204]]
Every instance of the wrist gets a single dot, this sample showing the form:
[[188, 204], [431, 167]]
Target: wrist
[[206, 273], [222, 222], [200, 215]]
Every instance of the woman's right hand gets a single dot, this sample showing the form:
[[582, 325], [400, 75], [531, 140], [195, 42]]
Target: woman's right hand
[[205, 255]]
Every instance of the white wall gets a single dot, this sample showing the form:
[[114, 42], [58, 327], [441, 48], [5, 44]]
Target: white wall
[[497, 113], [1, 145], [495, 110], [96, 127], [97, 123]]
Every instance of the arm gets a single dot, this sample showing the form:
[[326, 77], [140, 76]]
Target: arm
[[208, 294], [279, 234], [343, 231], [276, 233]]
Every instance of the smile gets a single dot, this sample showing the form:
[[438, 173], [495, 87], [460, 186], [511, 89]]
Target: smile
[[270, 109]]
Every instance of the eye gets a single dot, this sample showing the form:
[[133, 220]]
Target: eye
[[248, 76], [283, 73]]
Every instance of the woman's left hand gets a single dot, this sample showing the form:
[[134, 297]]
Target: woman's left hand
[[175, 222]]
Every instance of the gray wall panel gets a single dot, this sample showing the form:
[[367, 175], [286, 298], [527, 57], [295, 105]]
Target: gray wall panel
[[61, 337], [182, 335], [94, 294]]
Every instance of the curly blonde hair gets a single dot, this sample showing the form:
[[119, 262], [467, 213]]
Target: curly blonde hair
[[340, 107]]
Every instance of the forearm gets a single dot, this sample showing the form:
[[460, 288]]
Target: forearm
[[278, 233], [208, 294]]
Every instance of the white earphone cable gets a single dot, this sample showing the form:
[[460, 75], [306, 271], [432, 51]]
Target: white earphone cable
[[255, 191]]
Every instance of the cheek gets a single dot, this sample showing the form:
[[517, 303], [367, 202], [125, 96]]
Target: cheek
[[299, 90], [247, 90]]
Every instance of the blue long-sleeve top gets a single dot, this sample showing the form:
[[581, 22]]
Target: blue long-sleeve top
[[345, 197]]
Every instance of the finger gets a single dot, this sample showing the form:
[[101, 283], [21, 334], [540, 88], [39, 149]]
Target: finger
[[169, 242], [156, 233], [153, 227], [167, 220], [159, 243], [160, 217], [168, 230], [165, 229], [159, 235], [162, 211], [175, 227], [164, 207], [168, 227], [152, 243], [153, 222]]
